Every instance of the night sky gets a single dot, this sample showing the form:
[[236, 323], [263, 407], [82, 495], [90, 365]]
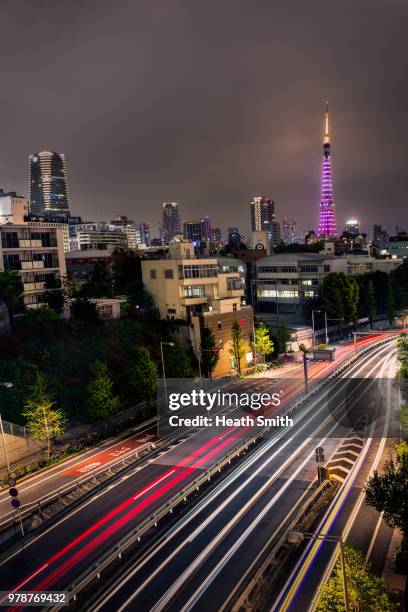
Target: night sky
[[209, 102]]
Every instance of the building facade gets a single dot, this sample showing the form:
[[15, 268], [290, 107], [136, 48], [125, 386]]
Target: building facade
[[48, 185], [171, 224], [284, 282], [36, 252], [13, 208], [289, 231], [204, 292]]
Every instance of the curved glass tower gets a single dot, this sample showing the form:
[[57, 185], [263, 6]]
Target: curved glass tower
[[48, 185]]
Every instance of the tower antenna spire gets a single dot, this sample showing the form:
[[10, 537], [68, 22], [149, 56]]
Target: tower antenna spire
[[326, 124]]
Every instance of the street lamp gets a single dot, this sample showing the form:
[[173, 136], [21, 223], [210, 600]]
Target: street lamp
[[297, 537], [313, 329], [7, 385], [163, 368]]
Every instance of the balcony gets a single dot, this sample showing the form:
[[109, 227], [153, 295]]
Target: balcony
[[28, 287], [30, 244], [32, 265]]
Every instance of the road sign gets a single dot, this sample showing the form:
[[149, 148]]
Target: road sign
[[319, 454], [15, 502], [12, 482], [13, 492]]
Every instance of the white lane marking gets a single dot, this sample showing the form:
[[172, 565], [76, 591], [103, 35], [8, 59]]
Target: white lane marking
[[65, 466], [312, 548], [357, 367], [373, 539], [151, 486]]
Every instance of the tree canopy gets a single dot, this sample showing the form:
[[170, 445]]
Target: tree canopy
[[365, 590]]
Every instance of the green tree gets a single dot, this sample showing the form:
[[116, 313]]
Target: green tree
[[127, 278], [402, 417], [283, 337], [55, 293], [84, 310], [340, 297], [209, 353], [402, 346], [139, 383], [99, 284], [11, 289], [101, 400], [177, 361], [238, 347], [366, 591], [43, 420], [388, 493], [370, 302], [263, 343]]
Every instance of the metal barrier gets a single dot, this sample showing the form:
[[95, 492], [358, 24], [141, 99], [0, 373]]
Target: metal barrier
[[136, 534], [40, 504]]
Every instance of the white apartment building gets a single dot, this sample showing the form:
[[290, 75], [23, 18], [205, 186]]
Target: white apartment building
[[35, 251]]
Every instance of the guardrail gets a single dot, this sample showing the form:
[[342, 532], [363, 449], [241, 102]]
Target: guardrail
[[38, 506], [136, 534]]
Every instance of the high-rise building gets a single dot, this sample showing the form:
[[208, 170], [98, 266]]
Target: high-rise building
[[206, 228], [262, 213], [143, 233], [216, 234], [327, 221], [289, 231], [192, 231], [48, 185], [234, 237], [171, 225], [352, 227]]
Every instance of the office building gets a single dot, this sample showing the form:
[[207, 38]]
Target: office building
[[92, 235], [143, 233], [352, 227], [285, 281], [171, 225], [126, 226], [48, 185], [216, 234], [205, 228], [262, 213], [192, 231], [289, 231], [398, 245], [234, 238]]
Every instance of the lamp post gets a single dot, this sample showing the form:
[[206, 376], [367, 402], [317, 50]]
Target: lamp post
[[297, 537], [325, 326], [163, 368], [313, 329], [8, 385]]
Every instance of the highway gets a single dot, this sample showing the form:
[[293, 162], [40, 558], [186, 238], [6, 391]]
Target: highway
[[358, 524], [63, 473], [205, 554], [56, 556]]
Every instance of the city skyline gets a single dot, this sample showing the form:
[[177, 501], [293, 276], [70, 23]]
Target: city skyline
[[183, 133]]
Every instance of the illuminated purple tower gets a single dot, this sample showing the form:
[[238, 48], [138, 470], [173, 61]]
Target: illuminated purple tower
[[327, 221]]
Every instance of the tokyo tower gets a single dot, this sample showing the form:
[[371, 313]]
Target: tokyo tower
[[327, 221]]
